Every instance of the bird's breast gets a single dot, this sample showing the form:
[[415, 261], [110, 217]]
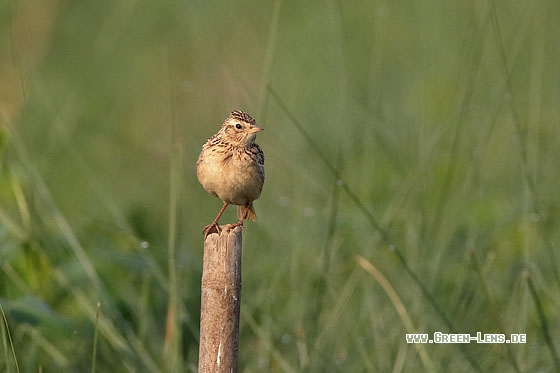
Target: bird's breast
[[232, 176]]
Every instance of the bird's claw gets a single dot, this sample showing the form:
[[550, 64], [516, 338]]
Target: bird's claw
[[215, 228], [211, 228], [235, 225]]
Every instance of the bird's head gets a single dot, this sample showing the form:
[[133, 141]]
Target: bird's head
[[239, 129]]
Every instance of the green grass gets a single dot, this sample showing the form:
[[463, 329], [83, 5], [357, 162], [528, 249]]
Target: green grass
[[412, 182]]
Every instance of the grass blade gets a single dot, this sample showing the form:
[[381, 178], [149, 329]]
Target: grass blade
[[399, 307], [94, 353], [544, 323], [7, 328]]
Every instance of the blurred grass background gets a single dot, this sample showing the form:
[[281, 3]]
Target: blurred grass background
[[412, 181]]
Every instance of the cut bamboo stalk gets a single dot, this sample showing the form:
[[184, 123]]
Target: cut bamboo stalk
[[220, 302]]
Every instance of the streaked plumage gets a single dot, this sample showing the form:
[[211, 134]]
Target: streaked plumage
[[231, 166]]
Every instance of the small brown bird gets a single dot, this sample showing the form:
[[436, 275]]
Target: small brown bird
[[231, 167]]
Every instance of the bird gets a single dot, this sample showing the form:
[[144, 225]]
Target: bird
[[231, 167]]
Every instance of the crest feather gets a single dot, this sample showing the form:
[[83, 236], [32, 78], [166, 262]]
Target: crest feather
[[238, 114]]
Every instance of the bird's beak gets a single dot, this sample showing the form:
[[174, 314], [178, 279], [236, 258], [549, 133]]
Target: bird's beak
[[255, 129]]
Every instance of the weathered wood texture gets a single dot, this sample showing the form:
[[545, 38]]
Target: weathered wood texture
[[220, 302]]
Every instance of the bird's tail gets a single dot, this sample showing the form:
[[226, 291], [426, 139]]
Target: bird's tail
[[250, 212]]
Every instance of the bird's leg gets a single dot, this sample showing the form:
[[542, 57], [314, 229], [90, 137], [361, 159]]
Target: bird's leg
[[215, 226], [243, 218]]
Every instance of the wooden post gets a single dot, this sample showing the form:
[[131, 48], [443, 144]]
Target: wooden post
[[220, 302]]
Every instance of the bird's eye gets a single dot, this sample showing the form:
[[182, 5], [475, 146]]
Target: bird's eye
[[238, 126]]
